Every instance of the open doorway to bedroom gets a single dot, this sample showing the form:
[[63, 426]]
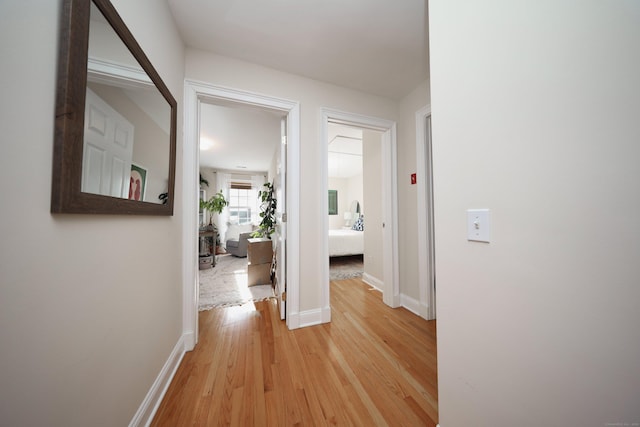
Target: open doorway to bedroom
[[368, 206], [355, 200]]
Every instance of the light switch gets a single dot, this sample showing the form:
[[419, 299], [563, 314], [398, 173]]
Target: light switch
[[478, 225]]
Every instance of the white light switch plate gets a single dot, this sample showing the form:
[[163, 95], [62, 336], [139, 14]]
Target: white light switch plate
[[478, 225]]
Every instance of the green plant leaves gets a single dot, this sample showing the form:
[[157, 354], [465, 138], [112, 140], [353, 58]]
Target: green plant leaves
[[269, 203]]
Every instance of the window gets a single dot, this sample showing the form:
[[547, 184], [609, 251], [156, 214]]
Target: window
[[241, 203]]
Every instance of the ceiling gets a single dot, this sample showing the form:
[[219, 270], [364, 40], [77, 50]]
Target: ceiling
[[238, 138], [374, 46], [243, 139]]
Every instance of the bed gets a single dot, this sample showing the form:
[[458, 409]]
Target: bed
[[345, 242]]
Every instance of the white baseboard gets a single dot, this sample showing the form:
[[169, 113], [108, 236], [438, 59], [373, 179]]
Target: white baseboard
[[293, 321], [189, 340], [326, 314], [411, 304], [309, 318], [372, 281], [146, 411]]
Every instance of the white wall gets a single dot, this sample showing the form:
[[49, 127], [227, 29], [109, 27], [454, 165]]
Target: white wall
[[312, 95], [349, 189], [273, 165], [535, 116], [355, 188], [90, 305], [373, 205], [341, 185]]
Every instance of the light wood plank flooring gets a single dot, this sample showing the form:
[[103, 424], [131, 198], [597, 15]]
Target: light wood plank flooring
[[372, 365]]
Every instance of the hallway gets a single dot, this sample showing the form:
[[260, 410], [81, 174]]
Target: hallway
[[372, 365]]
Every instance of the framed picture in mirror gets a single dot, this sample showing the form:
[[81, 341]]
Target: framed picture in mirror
[[137, 183]]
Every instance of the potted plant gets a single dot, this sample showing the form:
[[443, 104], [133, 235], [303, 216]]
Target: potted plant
[[216, 204], [267, 225]]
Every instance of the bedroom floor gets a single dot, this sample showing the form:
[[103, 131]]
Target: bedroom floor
[[346, 267]]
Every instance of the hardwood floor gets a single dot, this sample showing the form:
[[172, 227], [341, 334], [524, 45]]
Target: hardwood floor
[[372, 365]]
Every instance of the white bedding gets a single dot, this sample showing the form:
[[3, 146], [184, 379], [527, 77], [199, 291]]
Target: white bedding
[[345, 242]]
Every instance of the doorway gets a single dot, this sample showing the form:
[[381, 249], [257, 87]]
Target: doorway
[[355, 204], [195, 94], [390, 284]]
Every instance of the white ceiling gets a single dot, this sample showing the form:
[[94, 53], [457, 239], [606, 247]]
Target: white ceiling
[[238, 138], [375, 46], [244, 139]]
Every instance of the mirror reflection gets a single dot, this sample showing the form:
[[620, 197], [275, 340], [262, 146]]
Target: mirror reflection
[[127, 122]]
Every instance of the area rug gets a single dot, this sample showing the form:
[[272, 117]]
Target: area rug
[[226, 285], [345, 267]]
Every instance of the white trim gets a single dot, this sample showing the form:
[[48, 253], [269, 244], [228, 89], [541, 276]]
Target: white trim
[[326, 314], [325, 297], [374, 282], [411, 304], [145, 413], [426, 256], [310, 317], [189, 338], [391, 289], [306, 318], [195, 92], [190, 196], [116, 74], [293, 320], [391, 285]]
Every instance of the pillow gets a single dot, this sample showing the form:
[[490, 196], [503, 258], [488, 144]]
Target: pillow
[[359, 224]]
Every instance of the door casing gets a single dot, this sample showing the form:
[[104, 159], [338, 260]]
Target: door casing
[[424, 181], [195, 93], [391, 287]]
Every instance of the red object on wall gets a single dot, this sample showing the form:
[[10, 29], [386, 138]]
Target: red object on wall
[[413, 178]]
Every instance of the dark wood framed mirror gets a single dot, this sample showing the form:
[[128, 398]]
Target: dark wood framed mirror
[[115, 123]]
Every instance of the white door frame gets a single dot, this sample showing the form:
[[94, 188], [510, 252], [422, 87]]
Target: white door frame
[[391, 287], [194, 93], [426, 252], [280, 184]]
